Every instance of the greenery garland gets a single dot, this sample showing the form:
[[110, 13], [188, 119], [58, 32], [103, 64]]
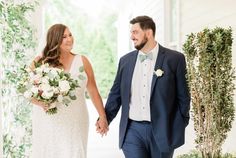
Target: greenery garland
[[18, 43]]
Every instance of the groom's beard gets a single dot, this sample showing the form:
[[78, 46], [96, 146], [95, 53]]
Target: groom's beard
[[142, 44]]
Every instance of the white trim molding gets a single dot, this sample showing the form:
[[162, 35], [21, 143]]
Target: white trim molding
[[172, 24]]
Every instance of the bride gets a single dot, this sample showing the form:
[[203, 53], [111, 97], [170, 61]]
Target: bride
[[65, 134]]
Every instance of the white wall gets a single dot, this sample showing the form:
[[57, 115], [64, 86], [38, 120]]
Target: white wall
[[37, 20], [197, 15], [133, 8]]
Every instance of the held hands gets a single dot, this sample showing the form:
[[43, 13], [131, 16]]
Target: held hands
[[102, 125]]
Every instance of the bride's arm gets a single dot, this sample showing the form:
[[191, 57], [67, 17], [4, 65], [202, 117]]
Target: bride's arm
[[39, 103], [95, 96]]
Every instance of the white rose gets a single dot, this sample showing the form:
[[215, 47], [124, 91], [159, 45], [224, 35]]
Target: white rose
[[64, 86], [34, 90], [45, 80], [53, 73], [159, 72], [47, 91], [27, 94], [57, 69], [36, 79], [39, 71], [60, 98], [47, 94], [45, 87], [46, 70]]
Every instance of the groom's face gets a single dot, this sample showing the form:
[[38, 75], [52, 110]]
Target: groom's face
[[138, 36]]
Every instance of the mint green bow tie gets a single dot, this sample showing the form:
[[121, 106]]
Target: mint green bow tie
[[144, 57]]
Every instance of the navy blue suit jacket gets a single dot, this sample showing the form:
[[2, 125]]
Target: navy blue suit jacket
[[169, 102]]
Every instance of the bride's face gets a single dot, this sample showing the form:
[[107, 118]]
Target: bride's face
[[67, 41]]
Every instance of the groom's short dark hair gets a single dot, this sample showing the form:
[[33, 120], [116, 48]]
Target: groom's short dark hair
[[145, 22]]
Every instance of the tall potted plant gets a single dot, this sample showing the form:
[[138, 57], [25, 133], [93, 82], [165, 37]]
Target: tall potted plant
[[210, 76]]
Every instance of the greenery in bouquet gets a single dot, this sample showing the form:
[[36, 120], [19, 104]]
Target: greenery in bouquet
[[47, 84]]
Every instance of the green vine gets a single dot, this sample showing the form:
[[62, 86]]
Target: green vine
[[18, 43]]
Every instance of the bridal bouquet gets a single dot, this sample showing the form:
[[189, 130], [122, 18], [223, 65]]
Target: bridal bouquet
[[47, 84]]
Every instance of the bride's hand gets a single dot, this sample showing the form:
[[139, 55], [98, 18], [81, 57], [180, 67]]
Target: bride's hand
[[102, 125], [39, 103]]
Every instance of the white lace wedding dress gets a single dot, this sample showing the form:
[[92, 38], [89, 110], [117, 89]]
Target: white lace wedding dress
[[63, 135]]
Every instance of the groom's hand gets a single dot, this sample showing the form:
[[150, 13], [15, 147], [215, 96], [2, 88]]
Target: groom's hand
[[102, 125]]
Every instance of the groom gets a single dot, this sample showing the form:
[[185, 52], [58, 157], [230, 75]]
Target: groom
[[151, 88]]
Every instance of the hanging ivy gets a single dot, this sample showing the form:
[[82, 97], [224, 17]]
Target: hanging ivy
[[18, 43]]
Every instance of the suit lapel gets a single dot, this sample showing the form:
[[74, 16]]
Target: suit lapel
[[158, 65], [131, 66]]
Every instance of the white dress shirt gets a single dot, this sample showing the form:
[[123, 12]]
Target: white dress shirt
[[141, 87]]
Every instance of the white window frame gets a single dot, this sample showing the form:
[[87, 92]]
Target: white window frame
[[169, 43]]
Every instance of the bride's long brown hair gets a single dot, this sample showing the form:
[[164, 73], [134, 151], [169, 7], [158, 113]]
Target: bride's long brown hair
[[51, 52]]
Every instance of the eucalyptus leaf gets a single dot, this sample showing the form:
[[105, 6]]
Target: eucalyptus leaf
[[81, 69], [73, 97], [81, 77]]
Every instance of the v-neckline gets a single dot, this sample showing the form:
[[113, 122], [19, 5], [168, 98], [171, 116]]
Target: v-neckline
[[71, 64]]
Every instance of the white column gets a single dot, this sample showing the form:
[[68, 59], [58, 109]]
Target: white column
[[1, 140], [123, 38], [37, 20]]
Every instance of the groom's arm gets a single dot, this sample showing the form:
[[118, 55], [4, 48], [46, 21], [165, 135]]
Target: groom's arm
[[183, 95], [114, 98]]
